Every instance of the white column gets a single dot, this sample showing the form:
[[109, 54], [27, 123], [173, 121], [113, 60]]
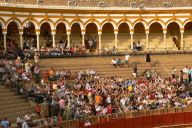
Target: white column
[[38, 47], [21, 40], [5, 41], [83, 39], [131, 40], [68, 41], [99, 42], [116, 40], [83, 36], [53, 35], [164, 39], [147, 41], [68, 31], [182, 48]]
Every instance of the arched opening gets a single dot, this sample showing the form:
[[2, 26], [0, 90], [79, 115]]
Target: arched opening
[[45, 38], [187, 35], [92, 36], [12, 35], [139, 36], [29, 36], [107, 37], [124, 37], [76, 36], [61, 37], [156, 38], [173, 36]]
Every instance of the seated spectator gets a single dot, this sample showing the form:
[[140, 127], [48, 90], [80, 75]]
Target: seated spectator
[[138, 46], [107, 50], [87, 123], [114, 62], [119, 62]]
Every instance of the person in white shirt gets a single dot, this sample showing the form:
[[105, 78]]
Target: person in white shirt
[[19, 121], [25, 125], [90, 42], [27, 117], [185, 70], [173, 72], [114, 62], [127, 60], [87, 123]]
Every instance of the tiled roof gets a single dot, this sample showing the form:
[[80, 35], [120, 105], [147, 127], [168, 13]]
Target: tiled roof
[[109, 3]]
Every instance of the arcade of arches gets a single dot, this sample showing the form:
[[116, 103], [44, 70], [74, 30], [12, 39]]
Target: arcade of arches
[[121, 35]]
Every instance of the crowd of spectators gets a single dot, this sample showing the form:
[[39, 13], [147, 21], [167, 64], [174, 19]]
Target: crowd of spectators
[[84, 94]]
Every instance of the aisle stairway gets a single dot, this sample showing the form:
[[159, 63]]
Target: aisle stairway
[[162, 63], [11, 106]]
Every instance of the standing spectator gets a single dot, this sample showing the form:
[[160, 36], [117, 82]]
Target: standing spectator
[[173, 72], [90, 42], [62, 105], [135, 71], [127, 60], [189, 75], [38, 110], [36, 74], [148, 75], [148, 58], [36, 58]]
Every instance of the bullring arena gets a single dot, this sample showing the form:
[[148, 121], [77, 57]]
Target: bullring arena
[[95, 64]]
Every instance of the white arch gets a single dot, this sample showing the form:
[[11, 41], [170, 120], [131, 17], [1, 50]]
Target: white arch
[[145, 26], [98, 27], [2, 25], [51, 25], [186, 23], [34, 23], [180, 25], [81, 25], [114, 26], [66, 25], [162, 25], [130, 26], [17, 23]]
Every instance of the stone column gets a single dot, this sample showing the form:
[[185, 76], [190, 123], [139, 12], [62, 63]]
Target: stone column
[[4, 31], [53, 32], [68, 31], [21, 38], [99, 33], [37, 34], [182, 45], [83, 36], [116, 32], [131, 32], [147, 39], [164, 39]]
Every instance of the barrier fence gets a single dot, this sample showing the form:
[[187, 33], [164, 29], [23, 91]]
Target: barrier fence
[[168, 117]]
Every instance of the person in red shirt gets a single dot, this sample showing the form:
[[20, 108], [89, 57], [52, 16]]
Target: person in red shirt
[[110, 108], [38, 110]]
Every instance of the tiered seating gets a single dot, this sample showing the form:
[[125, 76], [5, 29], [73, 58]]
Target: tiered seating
[[12, 106], [103, 68]]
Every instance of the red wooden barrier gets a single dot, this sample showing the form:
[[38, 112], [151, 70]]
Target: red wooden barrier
[[166, 119], [146, 121], [135, 122], [187, 117], [156, 120], [177, 118]]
